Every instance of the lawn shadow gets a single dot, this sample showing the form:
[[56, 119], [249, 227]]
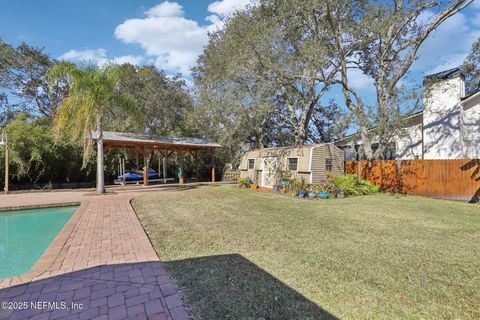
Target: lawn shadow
[[163, 187], [232, 287]]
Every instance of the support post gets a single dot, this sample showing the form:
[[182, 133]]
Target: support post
[[6, 169], [180, 167], [159, 163], [145, 166], [124, 179], [196, 166], [164, 162], [212, 153]]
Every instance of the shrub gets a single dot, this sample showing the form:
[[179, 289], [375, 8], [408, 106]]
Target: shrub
[[323, 187], [297, 185], [351, 185], [244, 182]]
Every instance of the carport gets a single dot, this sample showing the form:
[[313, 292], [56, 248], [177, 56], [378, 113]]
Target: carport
[[147, 144]]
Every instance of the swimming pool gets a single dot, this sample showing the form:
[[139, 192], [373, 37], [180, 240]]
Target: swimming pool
[[26, 234]]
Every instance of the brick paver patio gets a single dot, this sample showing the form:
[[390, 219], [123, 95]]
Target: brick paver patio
[[100, 266]]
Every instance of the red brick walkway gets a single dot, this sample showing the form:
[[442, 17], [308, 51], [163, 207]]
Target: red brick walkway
[[102, 262]]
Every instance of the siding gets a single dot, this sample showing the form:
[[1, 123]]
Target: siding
[[303, 155], [470, 130], [319, 156]]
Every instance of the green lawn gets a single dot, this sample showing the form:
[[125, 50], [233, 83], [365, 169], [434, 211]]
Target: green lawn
[[240, 254]]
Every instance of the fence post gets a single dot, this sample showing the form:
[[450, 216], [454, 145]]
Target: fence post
[[399, 178], [359, 169]]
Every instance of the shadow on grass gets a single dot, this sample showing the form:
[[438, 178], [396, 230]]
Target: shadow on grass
[[231, 287], [162, 187]]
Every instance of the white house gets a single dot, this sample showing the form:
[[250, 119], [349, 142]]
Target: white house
[[447, 128]]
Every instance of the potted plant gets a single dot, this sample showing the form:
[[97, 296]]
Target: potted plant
[[286, 182], [244, 182], [253, 183], [278, 178], [311, 192], [302, 187], [323, 191], [337, 192], [292, 186]]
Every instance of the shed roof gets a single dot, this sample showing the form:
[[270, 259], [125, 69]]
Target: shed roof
[[124, 138]]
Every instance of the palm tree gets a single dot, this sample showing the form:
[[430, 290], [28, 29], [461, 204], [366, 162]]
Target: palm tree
[[93, 96]]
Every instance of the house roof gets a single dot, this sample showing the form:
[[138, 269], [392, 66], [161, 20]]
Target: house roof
[[299, 146], [446, 74], [470, 97], [353, 135], [124, 138]]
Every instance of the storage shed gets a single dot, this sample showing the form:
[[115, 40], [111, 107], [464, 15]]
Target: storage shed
[[311, 161]]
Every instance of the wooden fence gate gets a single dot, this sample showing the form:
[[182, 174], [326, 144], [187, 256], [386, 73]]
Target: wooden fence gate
[[447, 179]]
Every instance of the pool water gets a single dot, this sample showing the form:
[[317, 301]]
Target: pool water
[[26, 234]]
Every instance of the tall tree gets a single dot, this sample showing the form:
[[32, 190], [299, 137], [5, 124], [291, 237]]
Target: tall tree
[[31, 83], [268, 50], [471, 68], [23, 79], [93, 97], [329, 123], [163, 100], [381, 40], [7, 61]]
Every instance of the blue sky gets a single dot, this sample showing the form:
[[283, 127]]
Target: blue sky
[[172, 34]]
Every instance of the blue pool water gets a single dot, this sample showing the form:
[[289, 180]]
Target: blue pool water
[[26, 234]]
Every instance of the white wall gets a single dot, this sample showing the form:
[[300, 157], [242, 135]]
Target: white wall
[[408, 143], [471, 128], [442, 119]]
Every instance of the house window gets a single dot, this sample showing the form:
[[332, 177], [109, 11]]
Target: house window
[[292, 164], [251, 164], [328, 165]]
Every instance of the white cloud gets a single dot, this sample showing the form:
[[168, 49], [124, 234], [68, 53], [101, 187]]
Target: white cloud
[[174, 41], [95, 56], [225, 8], [448, 46], [167, 35], [135, 60], [165, 9], [98, 57], [359, 80]]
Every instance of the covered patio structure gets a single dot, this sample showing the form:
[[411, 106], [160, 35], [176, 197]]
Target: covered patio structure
[[147, 144]]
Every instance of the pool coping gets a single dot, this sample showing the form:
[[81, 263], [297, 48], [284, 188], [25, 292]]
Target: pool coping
[[40, 206], [47, 259]]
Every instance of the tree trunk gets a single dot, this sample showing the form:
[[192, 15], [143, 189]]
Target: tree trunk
[[300, 134], [100, 172], [366, 142]]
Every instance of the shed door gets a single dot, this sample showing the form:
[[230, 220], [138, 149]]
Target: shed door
[[268, 171]]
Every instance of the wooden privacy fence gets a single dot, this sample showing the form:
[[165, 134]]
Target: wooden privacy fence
[[447, 179]]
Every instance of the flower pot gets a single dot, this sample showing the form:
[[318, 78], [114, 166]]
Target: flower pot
[[323, 195], [301, 194], [312, 195], [282, 190], [254, 186]]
